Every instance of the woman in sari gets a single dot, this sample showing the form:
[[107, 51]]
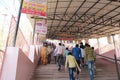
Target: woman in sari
[[43, 54]]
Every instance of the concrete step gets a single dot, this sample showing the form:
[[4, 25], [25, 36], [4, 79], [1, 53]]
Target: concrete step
[[105, 70]]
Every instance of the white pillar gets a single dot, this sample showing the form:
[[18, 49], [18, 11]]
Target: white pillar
[[114, 44], [98, 45]]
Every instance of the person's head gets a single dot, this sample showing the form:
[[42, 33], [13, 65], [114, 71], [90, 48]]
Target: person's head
[[70, 53], [92, 48], [76, 45], [45, 44], [60, 44], [66, 48], [81, 43], [87, 45], [82, 47]]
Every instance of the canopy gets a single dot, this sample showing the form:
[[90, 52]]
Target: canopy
[[82, 18]]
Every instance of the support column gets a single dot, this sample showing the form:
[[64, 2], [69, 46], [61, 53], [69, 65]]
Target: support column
[[99, 51], [34, 31], [17, 25], [117, 69]]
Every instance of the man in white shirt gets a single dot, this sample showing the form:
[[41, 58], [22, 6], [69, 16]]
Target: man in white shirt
[[83, 54], [60, 53]]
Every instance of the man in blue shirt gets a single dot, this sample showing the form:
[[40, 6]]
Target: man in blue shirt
[[76, 52]]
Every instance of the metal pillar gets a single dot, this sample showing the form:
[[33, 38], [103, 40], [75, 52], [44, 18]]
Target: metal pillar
[[34, 30], [117, 69], [17, 24]]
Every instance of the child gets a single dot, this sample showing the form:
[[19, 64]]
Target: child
[[72, 65]]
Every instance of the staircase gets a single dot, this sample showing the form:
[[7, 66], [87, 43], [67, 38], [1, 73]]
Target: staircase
[[105, 70]]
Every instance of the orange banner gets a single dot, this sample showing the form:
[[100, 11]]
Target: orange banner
[[35, 7]]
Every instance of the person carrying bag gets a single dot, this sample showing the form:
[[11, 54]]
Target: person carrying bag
[[72, 65]]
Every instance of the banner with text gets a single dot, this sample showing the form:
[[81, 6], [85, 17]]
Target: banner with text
[[41, 27], [35, 7]]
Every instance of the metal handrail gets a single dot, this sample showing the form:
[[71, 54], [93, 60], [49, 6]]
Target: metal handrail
[[108, 57], [116, 63]]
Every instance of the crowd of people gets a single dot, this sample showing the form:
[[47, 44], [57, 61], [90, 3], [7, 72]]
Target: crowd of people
[[73, 60]]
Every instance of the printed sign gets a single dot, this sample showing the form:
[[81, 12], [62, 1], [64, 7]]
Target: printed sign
[[41, 27], [35, 7]]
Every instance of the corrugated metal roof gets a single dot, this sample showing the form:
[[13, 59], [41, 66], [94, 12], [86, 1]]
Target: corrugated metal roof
[[82, 18]]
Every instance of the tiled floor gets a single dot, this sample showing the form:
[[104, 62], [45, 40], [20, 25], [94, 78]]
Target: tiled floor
[[105, 70]]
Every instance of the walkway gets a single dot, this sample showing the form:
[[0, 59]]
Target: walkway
[[105, 71]]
